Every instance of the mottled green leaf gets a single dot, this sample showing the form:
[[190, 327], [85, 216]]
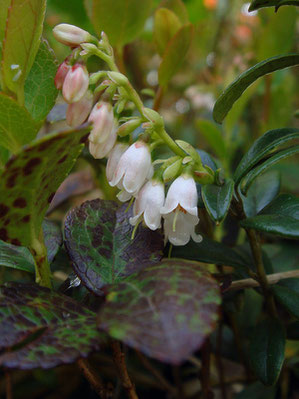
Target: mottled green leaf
[[121, 20], [22, 39], [235, 89], [29, 181], [166, 26], [40, 91], [266, 350], [256, 4], [287, 293], [262, 191], [52, 238], [262, 147], [217, 199], [213, 136], [98, 240], [41, 328], [165, 311], [175, 54], [16, 257], [280, 217], [16, 125], [3, 17]]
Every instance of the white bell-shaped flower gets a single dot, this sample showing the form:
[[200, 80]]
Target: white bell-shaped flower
[[148, 203], [133, 169], [103, 122], [113, 159], [101, 150], [78, 112], [180, 211]]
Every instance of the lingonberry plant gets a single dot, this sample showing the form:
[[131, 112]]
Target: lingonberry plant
[[180, 263]]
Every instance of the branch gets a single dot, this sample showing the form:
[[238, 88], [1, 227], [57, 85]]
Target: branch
[[93, 378]]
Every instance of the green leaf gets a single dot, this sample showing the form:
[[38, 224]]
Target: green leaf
[[98, 240], [262, 191], [165, 311], [178, 7], [29, 181], [4, 156], [261, 147], [16, 125], [287, 293], [209, 251], [175, 54], [257, 390], [40, 91], [280, 217], [217, 199], [213, 136], [16, 257], [22, 39], [52, 238], [3, 17], [166, 25], [41, 328], [266, 350], [256, 4], [235, 89], [258, 170], [121, 20]]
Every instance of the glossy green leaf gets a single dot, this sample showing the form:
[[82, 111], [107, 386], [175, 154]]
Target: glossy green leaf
[[266, 350], [98, 240], [166, 25], [217, 199], [16, 257], [272, 160], [22, 39], [213, 136], [39, 328], [263, 146], [235, 89], [165, 311], [29, 181], [280, 217], [256, 4], [209, 251], [257, 390], [287, 293], [175, 54], [262, 191], [40, 91], [121, 20], [16, 125], [178, 7]]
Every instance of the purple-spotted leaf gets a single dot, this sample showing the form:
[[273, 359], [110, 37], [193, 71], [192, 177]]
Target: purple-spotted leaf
[[165, 311], [52, 238], [98, 240], [22, 38], [42, 328], [30, 180]]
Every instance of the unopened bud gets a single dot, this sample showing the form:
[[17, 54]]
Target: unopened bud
[[173, 170], [153, 116], [89, 48], [75, 84], [61, 74], [189, 150], [103, 122], [203, 177], [78, 112], [128, 127], [118, 78], [101, 150], [70, 35]]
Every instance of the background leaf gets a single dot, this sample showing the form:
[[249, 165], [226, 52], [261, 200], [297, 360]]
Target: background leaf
[[16, 257], [39, 328], [52, 238], [166, 25], [267, 350], [29, 181], [214, 137], [3, 17], [98, 240], [175, 53], [24, 25], [178, 7], [235, 89], [121, 20], [16, 125], [165, 311], [40, 91], [287, 293], [217, 199]]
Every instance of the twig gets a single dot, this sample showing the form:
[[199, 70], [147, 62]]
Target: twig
[[271, 279], [164, 383], [219, 362], [205, 370], [178, 382], [92, 377], [120, 363], [8, 385]]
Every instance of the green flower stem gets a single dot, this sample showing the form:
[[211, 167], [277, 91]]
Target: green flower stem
[[108, 59], [42, 267]]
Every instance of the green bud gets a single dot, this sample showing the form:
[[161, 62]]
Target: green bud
[[154, 117], [128, 127], [203, 177], [189, 150], [173, 170], [118, 78]]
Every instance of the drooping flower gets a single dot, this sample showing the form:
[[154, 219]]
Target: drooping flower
[[76, 83], [103, 122], [113, 159], [61, 73], [78, 112], [148, 203], [70, 35], [101, 150], [180, 211], [133, 169]]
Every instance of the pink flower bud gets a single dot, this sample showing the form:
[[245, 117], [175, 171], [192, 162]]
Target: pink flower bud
[[101, 150], [103, 122], [61, 74], [70, 35], [75, 84], [78, 112]]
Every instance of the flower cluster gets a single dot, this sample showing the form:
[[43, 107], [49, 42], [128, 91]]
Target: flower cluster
[[100, 98]]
